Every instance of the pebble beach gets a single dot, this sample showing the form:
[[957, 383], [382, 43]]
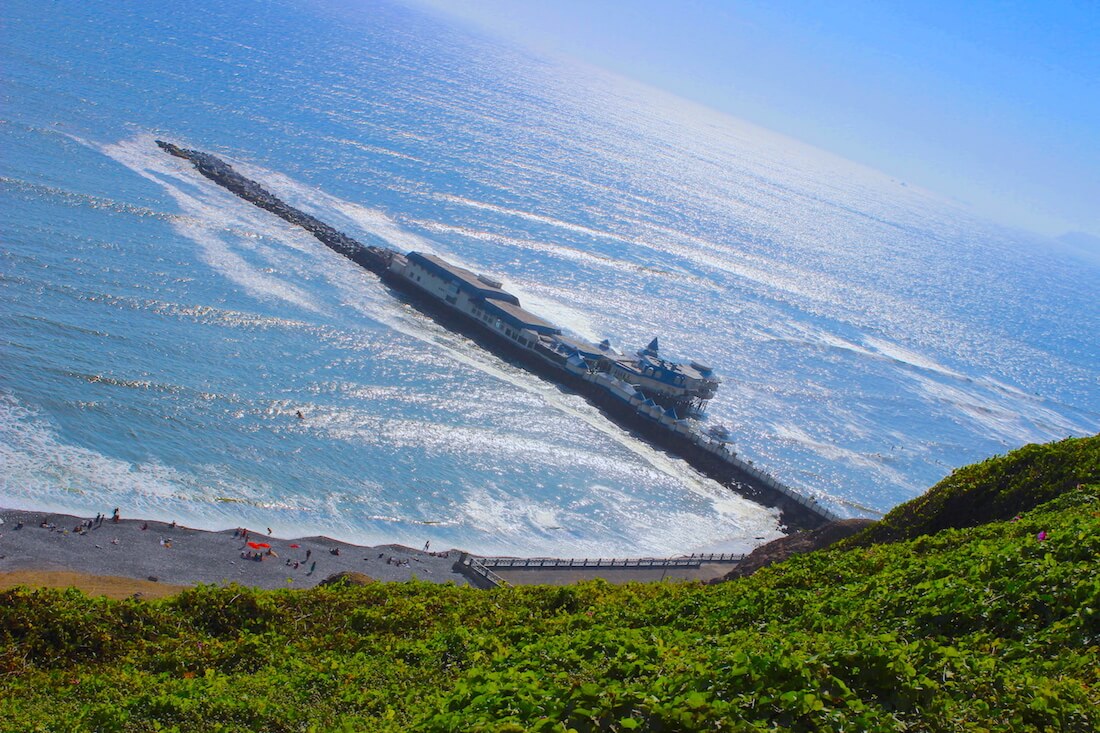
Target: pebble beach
[[164, 552]]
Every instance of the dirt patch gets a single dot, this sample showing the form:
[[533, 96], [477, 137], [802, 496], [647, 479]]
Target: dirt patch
[[93, 585], [796, 544], [347, 578]]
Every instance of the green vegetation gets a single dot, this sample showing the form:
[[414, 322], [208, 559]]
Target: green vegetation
[[993, 490], [973, 629]]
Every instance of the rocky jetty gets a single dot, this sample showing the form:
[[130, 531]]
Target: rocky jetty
[[376, 259]]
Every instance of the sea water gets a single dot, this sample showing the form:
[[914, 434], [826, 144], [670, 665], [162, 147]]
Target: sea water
[[159, 335]]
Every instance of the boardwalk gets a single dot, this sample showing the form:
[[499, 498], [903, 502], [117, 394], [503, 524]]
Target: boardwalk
[[497, 571]]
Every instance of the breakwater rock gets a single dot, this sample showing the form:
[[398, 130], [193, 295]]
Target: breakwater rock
[[376, 259]]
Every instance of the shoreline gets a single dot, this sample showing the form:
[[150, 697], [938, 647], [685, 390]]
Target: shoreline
[[166, 552]]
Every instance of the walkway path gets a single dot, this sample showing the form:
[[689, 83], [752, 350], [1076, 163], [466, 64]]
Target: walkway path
[[495, 571]]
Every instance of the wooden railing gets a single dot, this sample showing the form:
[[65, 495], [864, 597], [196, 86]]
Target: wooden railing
[[686, 561]]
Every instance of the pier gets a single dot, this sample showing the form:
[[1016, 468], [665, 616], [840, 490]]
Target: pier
[[715, 459]]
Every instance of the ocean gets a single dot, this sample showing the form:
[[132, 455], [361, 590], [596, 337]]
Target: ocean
[[159, 334]]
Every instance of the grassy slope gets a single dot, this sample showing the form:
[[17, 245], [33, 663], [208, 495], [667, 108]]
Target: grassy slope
[[993, 490], [967, 629]]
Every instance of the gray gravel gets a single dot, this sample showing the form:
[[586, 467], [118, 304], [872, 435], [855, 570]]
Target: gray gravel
[[196, 556]]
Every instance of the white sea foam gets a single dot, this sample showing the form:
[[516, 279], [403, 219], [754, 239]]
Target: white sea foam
[[903, 355], [533, 217], [1005, 416], [209, 211], [835, 452], [35, 463], [337, 212]]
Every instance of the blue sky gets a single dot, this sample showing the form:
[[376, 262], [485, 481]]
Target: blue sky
[[995, 104]]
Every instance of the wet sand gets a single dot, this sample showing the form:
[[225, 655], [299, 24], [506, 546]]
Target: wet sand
[[191, 556]]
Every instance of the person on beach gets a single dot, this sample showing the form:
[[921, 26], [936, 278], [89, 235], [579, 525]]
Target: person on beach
[[115, 517], [427, 545], [312, 567]]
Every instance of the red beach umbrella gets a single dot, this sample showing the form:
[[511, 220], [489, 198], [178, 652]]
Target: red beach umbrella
[[295, 546], [258, 545]]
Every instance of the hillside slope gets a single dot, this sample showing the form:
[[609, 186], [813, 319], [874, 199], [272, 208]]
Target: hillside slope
[[996, 489], [994, 627]]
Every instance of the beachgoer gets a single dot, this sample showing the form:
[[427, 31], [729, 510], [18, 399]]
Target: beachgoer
[[300, 415], [311, 567], [427, 545], [269, 531], [172, 525], [308, 553], [115, 518], [145, 525]]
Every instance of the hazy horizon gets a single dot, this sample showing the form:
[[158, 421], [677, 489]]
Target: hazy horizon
[[994, 108]]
